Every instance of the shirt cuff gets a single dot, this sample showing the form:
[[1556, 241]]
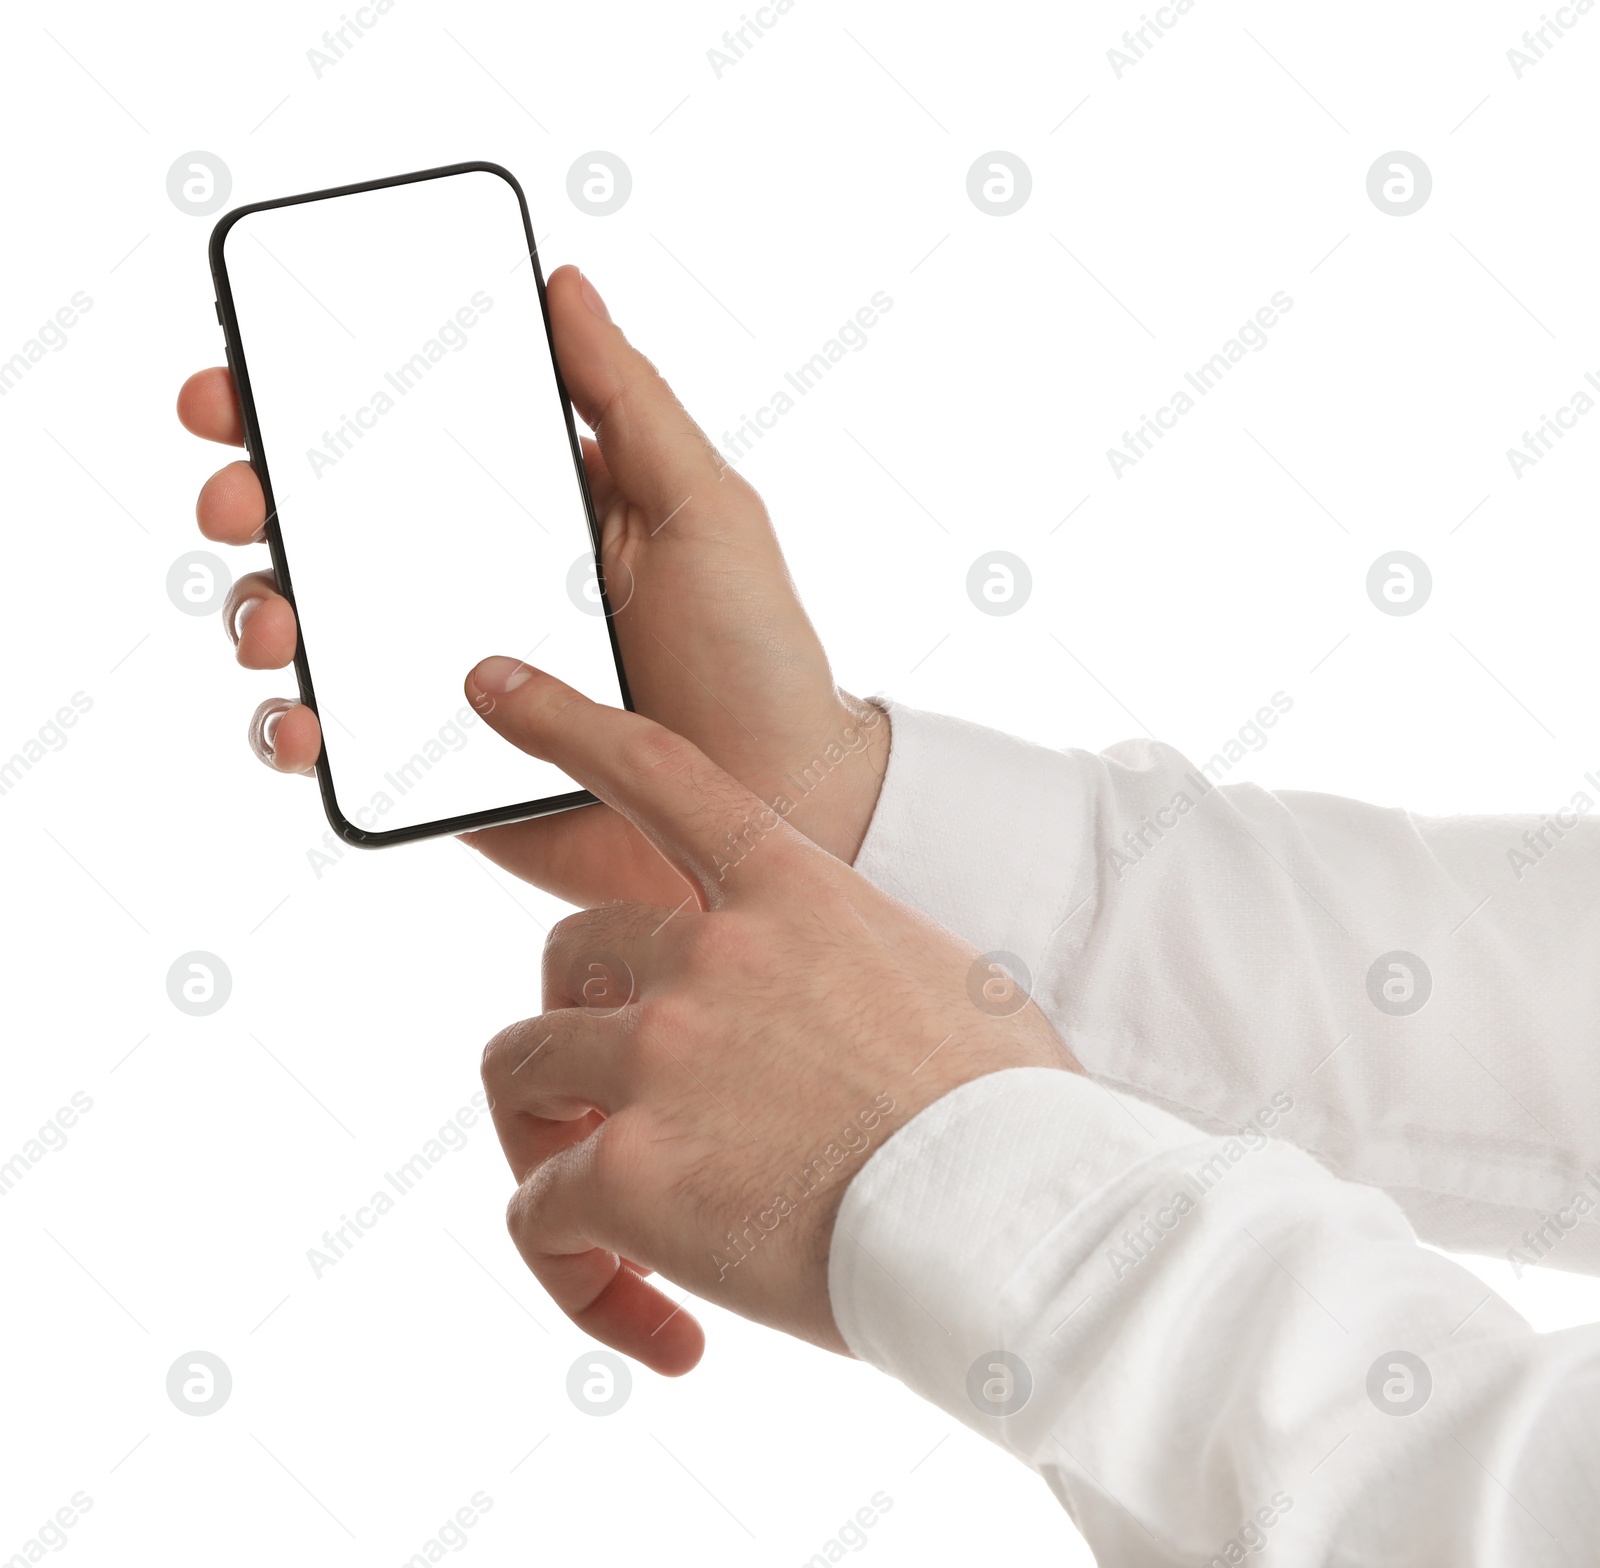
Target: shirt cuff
[[937, 1233], [944, 836]]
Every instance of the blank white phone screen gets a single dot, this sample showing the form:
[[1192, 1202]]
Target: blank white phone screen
[[413, 431]]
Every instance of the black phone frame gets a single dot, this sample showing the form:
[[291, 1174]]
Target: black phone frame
[[238, 366]]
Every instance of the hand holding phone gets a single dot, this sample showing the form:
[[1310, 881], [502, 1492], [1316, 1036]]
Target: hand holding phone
[[716, 642]]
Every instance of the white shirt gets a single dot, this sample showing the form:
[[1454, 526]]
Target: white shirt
[[1226, 1348]]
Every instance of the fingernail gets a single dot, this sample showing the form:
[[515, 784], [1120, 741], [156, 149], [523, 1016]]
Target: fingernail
[[264, 731], [242, 613], [499, 675], [592, 299]]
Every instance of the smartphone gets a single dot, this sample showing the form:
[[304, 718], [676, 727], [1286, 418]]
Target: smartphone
[[426, 500]]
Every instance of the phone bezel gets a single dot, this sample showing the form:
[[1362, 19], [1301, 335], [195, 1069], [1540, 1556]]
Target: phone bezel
[[238, 366]]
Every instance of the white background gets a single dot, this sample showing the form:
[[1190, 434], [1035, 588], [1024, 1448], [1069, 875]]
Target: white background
[[768, 205]]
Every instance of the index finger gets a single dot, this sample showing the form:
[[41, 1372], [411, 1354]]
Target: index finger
[[705, 823], [207, 407]]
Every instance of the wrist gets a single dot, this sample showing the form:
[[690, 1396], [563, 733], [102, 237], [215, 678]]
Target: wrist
[[835, 790]]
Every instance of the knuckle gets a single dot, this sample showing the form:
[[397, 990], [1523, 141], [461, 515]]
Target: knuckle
[[520, 1210], [663, 1019], [835, 901], [506, 1049], [568, 930], [716, 943], [529, 1206], [573, 935], [587, 968], [545, 701], [650, 748], [488, 1066]]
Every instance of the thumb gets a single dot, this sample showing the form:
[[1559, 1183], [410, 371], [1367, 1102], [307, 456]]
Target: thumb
[[658, 457]]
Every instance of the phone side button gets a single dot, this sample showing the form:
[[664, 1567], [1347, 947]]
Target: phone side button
[[218, 304]]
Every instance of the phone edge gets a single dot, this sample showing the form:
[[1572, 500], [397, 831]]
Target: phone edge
[[343, 827]]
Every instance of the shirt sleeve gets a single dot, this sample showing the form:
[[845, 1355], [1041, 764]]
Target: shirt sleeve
[[1210, 1347], [1413, 1000]]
